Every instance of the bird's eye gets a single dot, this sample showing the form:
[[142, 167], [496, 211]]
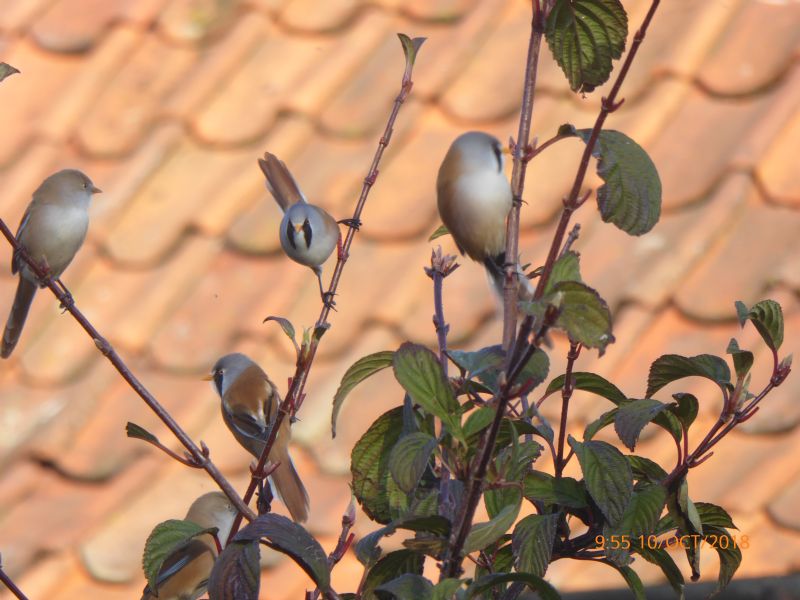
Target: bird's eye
[[85, 185]]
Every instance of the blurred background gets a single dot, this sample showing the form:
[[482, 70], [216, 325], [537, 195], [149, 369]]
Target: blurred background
[[166, 104]]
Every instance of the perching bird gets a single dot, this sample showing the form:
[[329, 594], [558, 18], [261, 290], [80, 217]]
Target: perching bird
[[184, 574], [249, 405], [52, 231], [308, 234], [474, 199]]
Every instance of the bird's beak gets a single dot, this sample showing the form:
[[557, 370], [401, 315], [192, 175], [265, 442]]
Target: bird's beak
[[95, 190], [298, 228], [208, 377]]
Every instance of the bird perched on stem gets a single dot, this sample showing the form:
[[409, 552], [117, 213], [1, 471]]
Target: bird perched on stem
[[184, 574], [308, 234], [52, 231], [474, 199], [249, 406]]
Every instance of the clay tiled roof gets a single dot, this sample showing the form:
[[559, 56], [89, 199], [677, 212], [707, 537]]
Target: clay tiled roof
[[167, 104]]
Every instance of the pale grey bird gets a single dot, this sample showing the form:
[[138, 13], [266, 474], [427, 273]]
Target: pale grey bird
[[52, 231], [308, 234], [184, 574], [474, 199]]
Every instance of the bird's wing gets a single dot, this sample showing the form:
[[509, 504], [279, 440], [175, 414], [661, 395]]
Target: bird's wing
[[280, 182], [22, 224], [177, 561]]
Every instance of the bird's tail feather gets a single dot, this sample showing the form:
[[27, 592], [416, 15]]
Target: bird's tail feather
[[17, 316], [290, 487], [497, 277], [280, 182]]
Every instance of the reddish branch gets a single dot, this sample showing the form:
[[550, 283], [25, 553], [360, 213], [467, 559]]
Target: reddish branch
[[566, 394], [199, 456], [9, 583]]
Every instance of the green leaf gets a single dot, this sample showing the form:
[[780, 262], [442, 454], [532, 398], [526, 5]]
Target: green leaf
[[633, 416], [440, 231], [477, 421], [767, 317], [359, 371], [608, 476], [662, 559], [418, 370], [288, 329], [390, 567], [290, 538], [584, 315], [632, 579], [565, 491], [483, 534], [408, 586], [640, 519], [167, 538], [742, 359], [369, 464], [584, 37], [411, 47], [6, 70], [730, 556], [593, 383], [645, 469], [446, 589], [489, 359], [683, 515], [367, 549], [709, 514], [409, 459], [484, 584], [671, 367], [140, 433], [532, 543], [566, 268], [604, 420], [630, 198], [237, 573]]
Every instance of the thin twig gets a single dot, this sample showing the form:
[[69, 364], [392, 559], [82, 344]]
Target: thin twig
[[298, 382], [9, 583], [345, 540], [566, 394], [105, 347]]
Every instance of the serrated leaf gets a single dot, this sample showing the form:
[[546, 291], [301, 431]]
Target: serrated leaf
[[477, 421], [390, 567], [671, 367], [662, 559], [479, 361], [165, 539], [290, 538], [287, 327], [584, 37], [418, 370], [608, 476], [645, 469], [604, 420], [640, 519], [483, 534], [742, 359], [583, 315], [484, 584], [730, 557], [6, 70], [440, 232], [630, 198], [590, 382], [408, 586], [633, 416], [237, 573], [532, 543], [369, 464], [409, 459], [359, 371], [686, 408], [140, 433], [767, 316], [566, 268], [564, 491]]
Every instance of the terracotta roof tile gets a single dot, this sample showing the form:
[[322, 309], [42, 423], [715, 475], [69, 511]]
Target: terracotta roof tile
[[191, 21], [141, 12], [777, 171], [755, 49], [15, 14], [766, 541], [72, 25], [784, 508], [446, 11], [49, 575], [129, 105], [311, 16]]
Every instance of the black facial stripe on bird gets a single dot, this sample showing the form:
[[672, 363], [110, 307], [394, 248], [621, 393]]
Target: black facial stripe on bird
[[218, 381], [290, 233], [307, 233], [498, 154]]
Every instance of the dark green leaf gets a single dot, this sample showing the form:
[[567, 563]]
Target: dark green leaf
[[608, 476], [237, 573], [358, 372], [290, 538], [640, 519], [590, 382], [767, 317], [409, 459], [632, 416], [537, 584], [287, 327], [446, 589], [408, 586], [683, 515], [6, 70], [532, 543], [390, 567], [671, 367], [710, 514], [633, 581], [418, 370], [369, 464], [166, 539], [566, 268], [730, 556], [630, 198], [686, 409], [584, 37], [475, 363], [496, 500], [604, 420], [645, 469], [565, 491], [440, 231], [483, 534], [584, 315], [661, 558], [140, 433], [478, 420], [741, 312], [367, 549], [742, 359], [533, 373]]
